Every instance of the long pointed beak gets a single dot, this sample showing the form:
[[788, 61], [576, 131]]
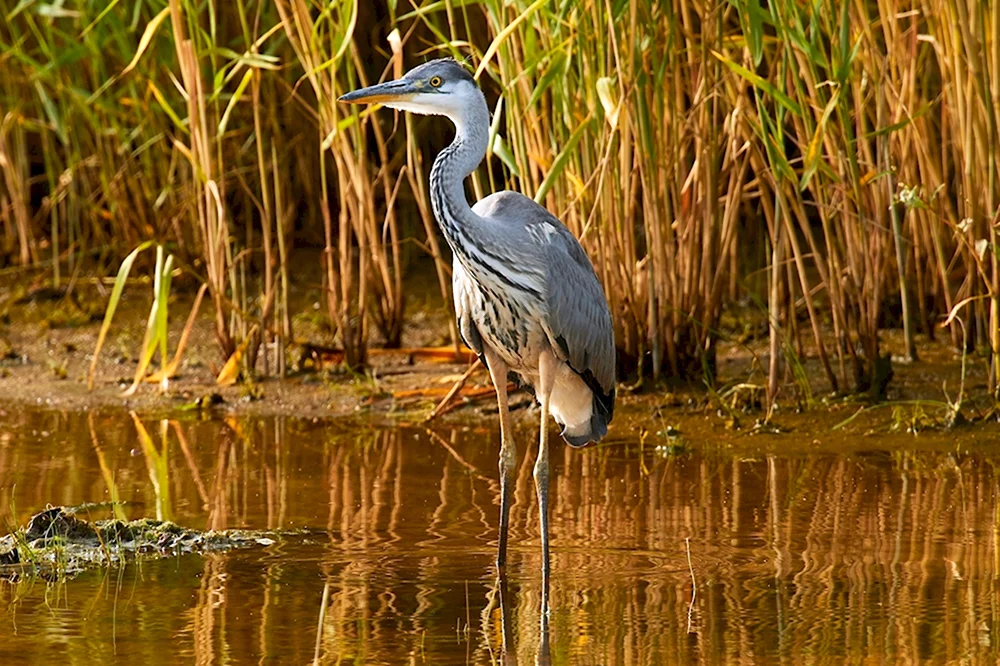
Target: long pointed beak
[[382, 92]]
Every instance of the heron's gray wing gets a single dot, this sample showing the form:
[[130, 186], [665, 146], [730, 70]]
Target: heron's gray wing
[[574, 309], [577, 316]]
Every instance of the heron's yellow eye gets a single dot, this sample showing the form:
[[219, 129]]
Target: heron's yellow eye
[[435, 81]]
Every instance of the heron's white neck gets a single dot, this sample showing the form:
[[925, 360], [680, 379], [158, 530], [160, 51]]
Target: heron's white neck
[[484, 246], [452, 166]]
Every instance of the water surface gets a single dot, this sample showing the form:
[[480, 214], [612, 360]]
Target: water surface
[[753, 551]]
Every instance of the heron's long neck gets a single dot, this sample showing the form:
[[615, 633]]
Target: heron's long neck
[[463, 229]]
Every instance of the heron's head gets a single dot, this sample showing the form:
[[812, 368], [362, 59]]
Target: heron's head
[[439, 87]]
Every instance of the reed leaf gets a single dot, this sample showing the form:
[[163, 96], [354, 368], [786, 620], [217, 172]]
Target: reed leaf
[[109, 313]]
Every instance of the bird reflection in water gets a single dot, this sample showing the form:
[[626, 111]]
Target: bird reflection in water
[[500, 596]]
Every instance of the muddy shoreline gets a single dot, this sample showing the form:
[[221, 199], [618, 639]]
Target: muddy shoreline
[[47, 343]]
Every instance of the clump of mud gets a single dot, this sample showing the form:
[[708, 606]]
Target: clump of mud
[[57, 544]]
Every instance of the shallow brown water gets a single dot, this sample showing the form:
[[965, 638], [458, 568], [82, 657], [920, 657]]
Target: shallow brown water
[[799, 557]]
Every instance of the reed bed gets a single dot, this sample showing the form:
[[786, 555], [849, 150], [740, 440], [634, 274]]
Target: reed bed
[[833, 165]]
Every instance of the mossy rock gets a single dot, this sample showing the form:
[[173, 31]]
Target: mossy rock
[[57, 544]]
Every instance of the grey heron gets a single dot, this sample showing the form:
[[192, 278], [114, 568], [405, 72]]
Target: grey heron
[[527, 298]]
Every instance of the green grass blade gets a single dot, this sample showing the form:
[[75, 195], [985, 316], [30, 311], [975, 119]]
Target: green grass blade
[[504, 34], [147, 37], [234, 100], [814, 151], [104, 12], [760, 83], [116, 294], [559, 165], [161, 310]]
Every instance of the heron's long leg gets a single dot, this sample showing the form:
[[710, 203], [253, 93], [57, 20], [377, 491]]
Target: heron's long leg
[[508, 452], [546, 379]]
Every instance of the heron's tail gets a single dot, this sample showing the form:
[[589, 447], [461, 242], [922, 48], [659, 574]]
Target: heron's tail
[[596, 427], [582, 407]]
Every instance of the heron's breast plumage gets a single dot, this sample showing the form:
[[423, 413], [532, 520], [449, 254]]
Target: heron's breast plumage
[[510, 323]]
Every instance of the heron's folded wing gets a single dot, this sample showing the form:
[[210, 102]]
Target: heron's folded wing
[[577, 316]]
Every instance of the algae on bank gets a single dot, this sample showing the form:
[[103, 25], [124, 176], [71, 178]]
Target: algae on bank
[[57, 544]]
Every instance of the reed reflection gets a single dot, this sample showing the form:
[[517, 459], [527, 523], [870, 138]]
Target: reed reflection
[[799, 557], [500, 599]]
